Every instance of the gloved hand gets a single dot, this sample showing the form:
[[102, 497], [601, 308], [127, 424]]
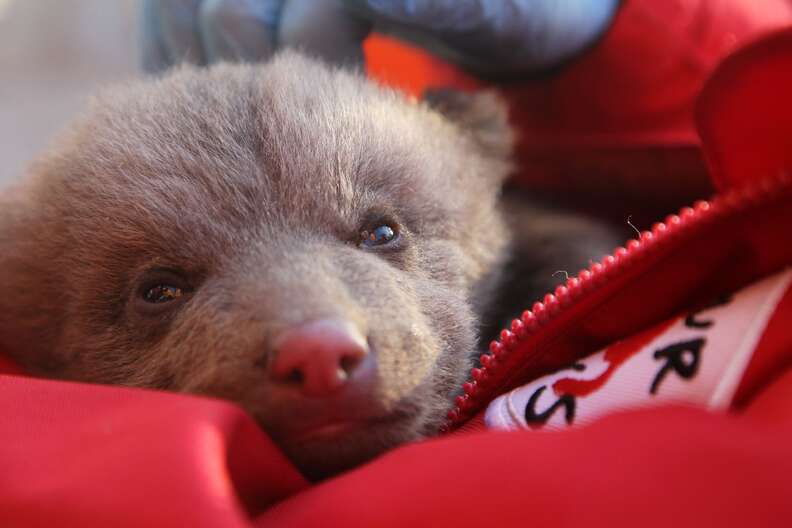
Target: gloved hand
[[490, 38]]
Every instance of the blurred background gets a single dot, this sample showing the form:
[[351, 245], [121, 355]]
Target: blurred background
[[53, 56]]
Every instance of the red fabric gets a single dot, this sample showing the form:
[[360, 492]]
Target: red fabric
[[118, 457], [772, 357], [83, 455], [666, 467], [616, 124], [745, 140]]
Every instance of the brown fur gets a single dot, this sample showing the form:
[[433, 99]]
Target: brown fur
[[253, 183]]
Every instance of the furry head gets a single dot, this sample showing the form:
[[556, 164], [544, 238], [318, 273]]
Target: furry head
[[185, 224]]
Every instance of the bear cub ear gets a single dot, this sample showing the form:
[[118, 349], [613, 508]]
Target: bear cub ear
[[485, 115]]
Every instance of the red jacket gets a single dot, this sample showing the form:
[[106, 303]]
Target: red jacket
[[617, 123], [74, 454]]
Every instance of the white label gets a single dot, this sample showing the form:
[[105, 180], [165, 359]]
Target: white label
[[698, 359]]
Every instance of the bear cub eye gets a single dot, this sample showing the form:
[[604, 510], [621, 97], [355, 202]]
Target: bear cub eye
[[162, 293], [381, 235], [161, 289]]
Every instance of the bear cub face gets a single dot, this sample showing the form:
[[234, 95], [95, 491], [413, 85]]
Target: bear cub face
[[289, 237]]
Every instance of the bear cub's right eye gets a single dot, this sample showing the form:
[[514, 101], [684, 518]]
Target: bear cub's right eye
[[379, 235]]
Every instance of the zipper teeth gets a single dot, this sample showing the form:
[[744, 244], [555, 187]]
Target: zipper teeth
[[690, 219]]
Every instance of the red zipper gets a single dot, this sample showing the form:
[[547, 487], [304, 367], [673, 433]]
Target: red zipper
[[517, 356]]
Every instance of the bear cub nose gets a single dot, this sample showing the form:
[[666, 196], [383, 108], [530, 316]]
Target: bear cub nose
[[319, 357]]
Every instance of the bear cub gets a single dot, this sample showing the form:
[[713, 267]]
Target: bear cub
[[288, 236]]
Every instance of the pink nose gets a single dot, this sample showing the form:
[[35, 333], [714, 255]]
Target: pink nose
[[318, 357]]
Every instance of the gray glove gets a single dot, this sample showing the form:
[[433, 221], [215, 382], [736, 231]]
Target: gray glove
[[491, 38]]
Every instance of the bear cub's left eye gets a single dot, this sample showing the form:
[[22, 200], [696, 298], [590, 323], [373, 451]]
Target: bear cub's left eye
[[162, 293], [381, 235], [161, 290]]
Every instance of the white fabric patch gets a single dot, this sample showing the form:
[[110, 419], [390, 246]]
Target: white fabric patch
[[697, 359]]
